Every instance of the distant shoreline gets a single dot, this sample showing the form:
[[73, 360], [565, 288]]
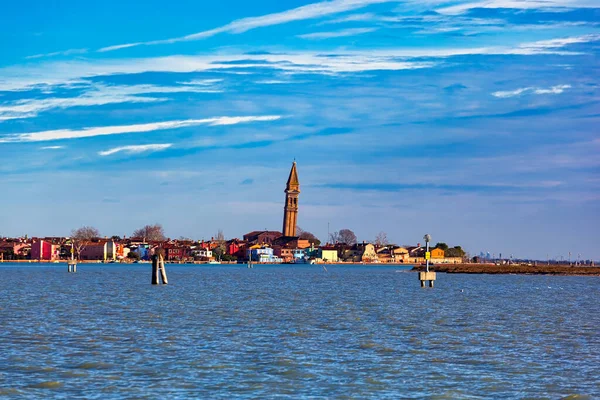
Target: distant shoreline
[[540, 269]]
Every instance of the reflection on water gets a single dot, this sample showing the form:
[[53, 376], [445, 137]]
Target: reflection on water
[[294, 331]]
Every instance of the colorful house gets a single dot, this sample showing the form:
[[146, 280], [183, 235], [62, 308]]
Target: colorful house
[[392, 254], [361, 252], [43, 250], [437, 253], [98, 250], [236, 247], [327, 254], [13, 249], [263, 255]]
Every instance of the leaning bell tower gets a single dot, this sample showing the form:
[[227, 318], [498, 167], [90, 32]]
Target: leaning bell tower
[[290, 211]]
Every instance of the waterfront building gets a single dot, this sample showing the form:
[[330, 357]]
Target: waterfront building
[[176, 251], [98, 250], [236, 247], [142, 250], [114, 250], [12, 249], [203, 253], [361, 252], [44, 250], [287, 246], [263, 254], [327, 254], [392, 254]]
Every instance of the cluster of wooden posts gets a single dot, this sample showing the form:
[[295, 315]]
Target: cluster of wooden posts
[[158, 267]]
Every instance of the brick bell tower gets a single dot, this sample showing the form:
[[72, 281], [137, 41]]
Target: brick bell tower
[[290, 211]]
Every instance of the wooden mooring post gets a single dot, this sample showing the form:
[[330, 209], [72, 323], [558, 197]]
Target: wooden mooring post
[[158, 266]]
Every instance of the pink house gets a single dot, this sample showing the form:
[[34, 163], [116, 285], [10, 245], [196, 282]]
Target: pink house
[[101, 250], [43, 250], [11, 249]]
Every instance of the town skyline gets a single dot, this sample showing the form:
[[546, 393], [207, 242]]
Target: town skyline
[[475, 122], [291, 238]]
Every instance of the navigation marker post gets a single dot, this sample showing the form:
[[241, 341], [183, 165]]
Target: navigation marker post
[[72, 264], [427, 275]]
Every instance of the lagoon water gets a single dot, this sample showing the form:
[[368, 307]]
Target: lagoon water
[[294, 332]]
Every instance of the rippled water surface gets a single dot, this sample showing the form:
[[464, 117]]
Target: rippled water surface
[[294, 331]]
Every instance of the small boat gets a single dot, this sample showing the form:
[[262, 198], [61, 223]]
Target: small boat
[[214, 262]]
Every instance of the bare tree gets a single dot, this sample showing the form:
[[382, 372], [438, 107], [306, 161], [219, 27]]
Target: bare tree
[[80, 238], [381, 239], [151, 232], [347, 236], [221, 249], [334, 237], [306, 235]]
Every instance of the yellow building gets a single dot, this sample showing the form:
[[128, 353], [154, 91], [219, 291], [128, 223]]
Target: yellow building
[[328, 255], [437, 253]]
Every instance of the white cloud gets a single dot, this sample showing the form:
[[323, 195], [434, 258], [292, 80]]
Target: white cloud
[[335, 34], [511, 93], [517, 92], [560, 42], [51, 147], [343, 61], [353, 18], [119, 47], [556, 5], [278, 82], [553, 90], [62, 134], [310, 11], [58, 73], [201, 82], [97, 95], [136, 149], [59, 53]]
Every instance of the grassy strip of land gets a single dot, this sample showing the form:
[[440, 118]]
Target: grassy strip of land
[[512, 269]]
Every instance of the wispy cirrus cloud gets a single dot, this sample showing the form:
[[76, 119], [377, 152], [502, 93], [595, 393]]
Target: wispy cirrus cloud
[[136, 149], [310, 11], [342, 61], [336, 34], [561, 42], [69, 52], [51, 147], [96, 94], [555, 5], [62, 134], [517, 92], [59, 73]]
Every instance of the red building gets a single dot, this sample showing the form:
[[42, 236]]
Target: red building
[[44, 250], [176, 252], [236, 248]]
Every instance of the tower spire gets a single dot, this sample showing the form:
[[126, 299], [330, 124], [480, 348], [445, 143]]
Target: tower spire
[[292, 182], [290, 210]]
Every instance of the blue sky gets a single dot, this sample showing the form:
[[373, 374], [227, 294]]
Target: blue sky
[[476, 122]]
